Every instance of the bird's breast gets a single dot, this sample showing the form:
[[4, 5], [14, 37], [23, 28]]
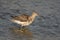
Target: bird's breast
[[22, 23]]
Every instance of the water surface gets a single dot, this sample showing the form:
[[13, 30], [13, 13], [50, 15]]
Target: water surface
[[43, 28]]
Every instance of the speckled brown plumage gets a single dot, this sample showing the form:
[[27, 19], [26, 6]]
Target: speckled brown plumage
[[24, 19]]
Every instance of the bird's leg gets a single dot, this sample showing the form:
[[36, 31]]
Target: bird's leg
[[19, 28], [23, 27]]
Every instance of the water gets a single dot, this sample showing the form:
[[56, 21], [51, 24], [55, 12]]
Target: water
[[46, 27]]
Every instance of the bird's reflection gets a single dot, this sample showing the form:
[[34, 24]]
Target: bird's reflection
[[24, 33]]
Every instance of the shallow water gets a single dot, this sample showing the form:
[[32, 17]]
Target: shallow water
[[46, 27]]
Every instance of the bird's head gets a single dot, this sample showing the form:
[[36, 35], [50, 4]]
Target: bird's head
[[35, 14]]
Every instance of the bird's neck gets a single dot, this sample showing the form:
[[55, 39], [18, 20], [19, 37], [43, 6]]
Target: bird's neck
[[33, 17]]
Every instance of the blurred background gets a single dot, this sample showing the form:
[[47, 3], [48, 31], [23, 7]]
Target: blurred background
[[46, 27]]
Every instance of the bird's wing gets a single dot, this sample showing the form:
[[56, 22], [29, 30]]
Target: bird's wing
[[22, 18]]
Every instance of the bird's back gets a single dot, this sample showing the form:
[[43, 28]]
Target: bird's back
[[22, 18]]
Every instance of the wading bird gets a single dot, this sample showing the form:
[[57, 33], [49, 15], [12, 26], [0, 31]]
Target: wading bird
[[24, 19]]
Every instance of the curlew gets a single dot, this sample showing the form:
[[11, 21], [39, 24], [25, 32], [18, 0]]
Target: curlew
[[24, 19]]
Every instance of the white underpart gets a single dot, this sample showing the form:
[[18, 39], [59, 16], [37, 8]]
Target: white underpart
[[22, 23]]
